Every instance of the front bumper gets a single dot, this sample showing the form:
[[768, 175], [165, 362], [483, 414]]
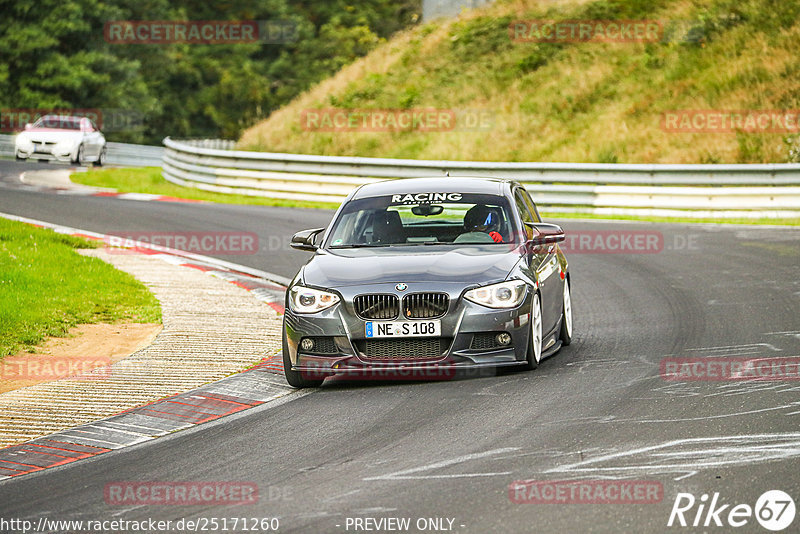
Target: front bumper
[[466, 340], [55, 153]]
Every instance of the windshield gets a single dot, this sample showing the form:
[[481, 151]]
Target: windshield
[[423, 219], [58, 122]]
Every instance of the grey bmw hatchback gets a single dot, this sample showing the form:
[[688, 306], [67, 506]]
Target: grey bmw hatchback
[[420, 277]]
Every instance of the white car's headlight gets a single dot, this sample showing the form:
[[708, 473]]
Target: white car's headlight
[[508, 294], [306, 300], [23, 140]]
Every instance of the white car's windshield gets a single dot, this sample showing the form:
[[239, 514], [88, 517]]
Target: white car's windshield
[[58, 122], [423, 219]]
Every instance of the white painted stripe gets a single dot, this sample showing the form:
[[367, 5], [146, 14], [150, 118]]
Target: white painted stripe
[[172, 260], [100, 443], [779, 450], [100, 425], [459, 475], [445, 463], [738, 347], [151, 431], [786, 332], [718, 416], [138, 196]]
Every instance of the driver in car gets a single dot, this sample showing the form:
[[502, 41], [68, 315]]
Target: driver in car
[[481, 219]]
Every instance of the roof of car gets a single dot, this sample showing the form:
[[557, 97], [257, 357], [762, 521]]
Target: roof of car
[[439, 184]]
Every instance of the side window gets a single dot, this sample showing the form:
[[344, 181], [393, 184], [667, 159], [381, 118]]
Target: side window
[[531, 205], [524, 211]]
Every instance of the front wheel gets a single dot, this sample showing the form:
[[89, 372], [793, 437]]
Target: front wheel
[[566, 316], [101, 159], [296, 378], [535, 337], [18, 157], [79, 157]]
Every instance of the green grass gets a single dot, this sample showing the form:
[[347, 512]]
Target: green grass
[[149, 180], [46, 288]]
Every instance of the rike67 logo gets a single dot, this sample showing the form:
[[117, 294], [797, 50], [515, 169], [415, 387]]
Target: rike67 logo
[[774, 510]]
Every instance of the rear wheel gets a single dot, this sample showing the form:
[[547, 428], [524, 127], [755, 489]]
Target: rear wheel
[[296, 378], [101, 159], [566, 316], [535, 337]]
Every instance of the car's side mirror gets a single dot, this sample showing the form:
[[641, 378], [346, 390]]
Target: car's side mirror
[[305, 240], [28, 126], [545, 233]]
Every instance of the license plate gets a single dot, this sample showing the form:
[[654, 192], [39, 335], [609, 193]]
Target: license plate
[[403, 329]]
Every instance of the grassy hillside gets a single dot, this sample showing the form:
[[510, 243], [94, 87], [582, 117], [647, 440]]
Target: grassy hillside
[[576, 102]]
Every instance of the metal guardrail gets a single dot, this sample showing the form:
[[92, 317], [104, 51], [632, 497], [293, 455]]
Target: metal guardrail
[[130, 155], [125, 154], [758, 190]]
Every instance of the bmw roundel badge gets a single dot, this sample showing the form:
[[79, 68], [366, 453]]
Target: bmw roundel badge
[[401, 286]]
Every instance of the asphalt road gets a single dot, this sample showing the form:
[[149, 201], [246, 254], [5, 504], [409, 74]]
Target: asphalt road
[[274, 227], [597, 411]]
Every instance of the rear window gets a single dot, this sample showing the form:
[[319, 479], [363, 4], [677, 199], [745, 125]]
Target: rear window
[[423, 219]]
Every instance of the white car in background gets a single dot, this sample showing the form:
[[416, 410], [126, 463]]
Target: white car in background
[[62, 138]]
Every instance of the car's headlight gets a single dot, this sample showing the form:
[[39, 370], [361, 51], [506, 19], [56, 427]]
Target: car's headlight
[[22, 140], [503, 295], [306, 300]]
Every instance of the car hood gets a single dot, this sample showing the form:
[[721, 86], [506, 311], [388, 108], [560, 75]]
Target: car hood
[[51, 135], [468, 265]]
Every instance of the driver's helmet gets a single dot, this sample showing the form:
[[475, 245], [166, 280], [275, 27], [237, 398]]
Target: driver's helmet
[[481, 218]]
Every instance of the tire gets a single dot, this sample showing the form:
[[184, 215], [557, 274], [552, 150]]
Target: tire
[[296, 378], [79, 156], [101, 159], [535, 337], [18, 157], [566, 316]]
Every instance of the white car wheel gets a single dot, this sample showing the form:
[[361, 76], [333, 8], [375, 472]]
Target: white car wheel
[[535, 341], [566, 318]]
